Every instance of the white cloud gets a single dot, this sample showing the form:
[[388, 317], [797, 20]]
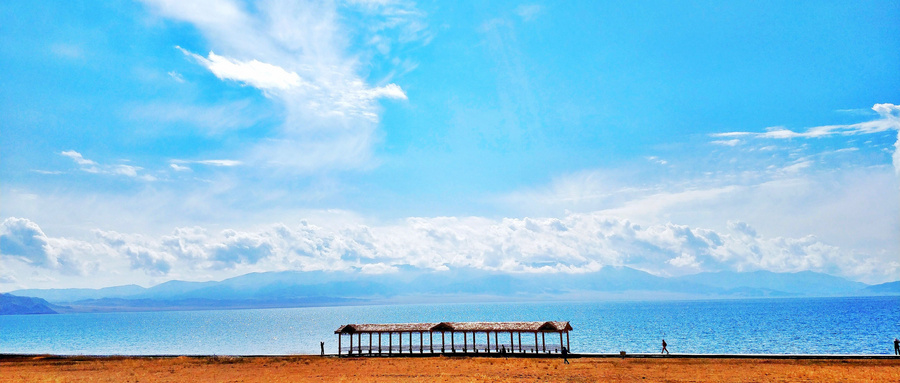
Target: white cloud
[[78, 158], [142, 253], [217, 163], [299, 55], [176, 76], [732, 142], [572, 244], [657, 160], [254, 73], [90, 166], [896, 155], [23, 240], [888, 119], [241, 248]]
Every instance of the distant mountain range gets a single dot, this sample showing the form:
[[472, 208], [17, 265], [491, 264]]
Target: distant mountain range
[[317, 288], [16, 305]]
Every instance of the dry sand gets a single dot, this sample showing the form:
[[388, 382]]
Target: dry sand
[[439, 369]]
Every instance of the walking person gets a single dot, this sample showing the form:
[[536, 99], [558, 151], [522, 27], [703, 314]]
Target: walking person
[[664, 349], [896, 346], [565, 355], [322, 345]]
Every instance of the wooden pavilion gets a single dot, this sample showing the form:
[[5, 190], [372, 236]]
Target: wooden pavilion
[[475, 337]]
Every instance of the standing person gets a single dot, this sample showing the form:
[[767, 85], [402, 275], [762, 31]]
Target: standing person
[[322, 345], [565, 355], [664, 349], [896, 346]]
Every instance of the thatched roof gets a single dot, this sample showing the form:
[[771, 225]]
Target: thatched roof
[[551, 326]]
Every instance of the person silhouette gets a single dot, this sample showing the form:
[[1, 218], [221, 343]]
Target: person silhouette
[[322, 345], [896, 346], [664, 349], [565, 355]]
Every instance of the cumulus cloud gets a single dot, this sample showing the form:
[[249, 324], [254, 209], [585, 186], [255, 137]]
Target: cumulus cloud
[[576, 243], [238, 248], [23, 240], [143, 253]]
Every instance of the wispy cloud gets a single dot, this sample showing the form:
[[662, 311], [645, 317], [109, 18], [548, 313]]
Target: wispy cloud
[[732, 142], [529, 12], [176, 76], [217, 163], [216, 119], [297, 54], [91, 166], [888, 119]]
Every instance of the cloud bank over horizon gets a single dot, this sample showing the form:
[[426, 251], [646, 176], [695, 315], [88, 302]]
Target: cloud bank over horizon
[[576, 243]]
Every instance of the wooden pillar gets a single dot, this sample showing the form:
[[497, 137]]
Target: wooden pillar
[[370, 343], [421, 343], [520, 340], [487, 335], [511, 347], [535, 343], [379, 342], [400, 342], [496, 340], [390, 342], [443, 348], [431, 341], [452, 341], [561, 345], [339, 343], [359, 343], [410, 343], [474, 342], [544, 341], [567, 342], [351, 345]]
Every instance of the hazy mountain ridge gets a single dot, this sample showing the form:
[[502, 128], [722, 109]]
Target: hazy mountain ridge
[[298, 289], [19, 305]]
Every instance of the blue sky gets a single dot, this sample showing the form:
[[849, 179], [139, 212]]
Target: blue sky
[[155, 140]]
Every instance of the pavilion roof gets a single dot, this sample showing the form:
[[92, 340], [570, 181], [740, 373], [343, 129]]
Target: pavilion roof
[[552, 326]]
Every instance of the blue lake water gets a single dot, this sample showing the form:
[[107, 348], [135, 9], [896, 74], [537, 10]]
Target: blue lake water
[[765, 326]]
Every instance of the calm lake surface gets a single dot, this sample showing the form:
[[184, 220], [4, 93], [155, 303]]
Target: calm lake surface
[[765, 326]]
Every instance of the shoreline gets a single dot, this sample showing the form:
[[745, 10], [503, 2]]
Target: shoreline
[[5, 356], [447, 368]]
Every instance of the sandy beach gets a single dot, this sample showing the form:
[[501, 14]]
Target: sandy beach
[[440, 369]]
